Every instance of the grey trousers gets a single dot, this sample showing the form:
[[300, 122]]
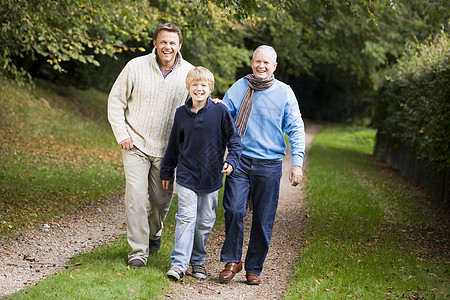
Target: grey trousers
[[146, 202]]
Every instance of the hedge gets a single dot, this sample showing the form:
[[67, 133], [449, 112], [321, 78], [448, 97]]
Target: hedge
[[413, 115], [413, 103]]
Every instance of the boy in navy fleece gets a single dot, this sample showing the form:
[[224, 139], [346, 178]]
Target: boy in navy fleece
[[200, 134]]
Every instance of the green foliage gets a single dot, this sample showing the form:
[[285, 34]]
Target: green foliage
[[211, 38], [82, 30], [342, 33], [328, 50], [87, 42], [361, 225], [413, 101], [62, 31]]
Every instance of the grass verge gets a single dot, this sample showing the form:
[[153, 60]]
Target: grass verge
[[364, 227], [103, 273], [57, 152]]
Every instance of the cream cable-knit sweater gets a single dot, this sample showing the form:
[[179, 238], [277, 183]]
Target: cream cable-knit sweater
[[142, 103]]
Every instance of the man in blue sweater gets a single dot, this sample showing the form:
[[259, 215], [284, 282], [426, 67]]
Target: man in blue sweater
[[200, 134], [265, 110]]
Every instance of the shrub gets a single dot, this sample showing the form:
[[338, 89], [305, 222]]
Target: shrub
[[413, 106]]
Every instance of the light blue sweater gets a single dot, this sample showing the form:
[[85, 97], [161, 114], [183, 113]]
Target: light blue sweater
[[275, 113]]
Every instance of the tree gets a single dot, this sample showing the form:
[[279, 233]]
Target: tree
[[337, 47], [65, 30], [60, 31], [313, 38]]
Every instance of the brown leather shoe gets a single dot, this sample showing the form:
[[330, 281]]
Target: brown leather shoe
[[252, 279], [230, 270]]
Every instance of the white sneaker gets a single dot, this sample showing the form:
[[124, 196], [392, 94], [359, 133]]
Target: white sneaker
[[175, 273]]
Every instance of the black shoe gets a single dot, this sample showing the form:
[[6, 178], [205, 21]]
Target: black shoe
[[199, 271], [136, 263], [153, 245]]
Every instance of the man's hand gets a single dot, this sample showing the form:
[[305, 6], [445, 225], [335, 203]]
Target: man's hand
[[296, 175], [167, 184], [227, 168], [216, 100], [126, 144]]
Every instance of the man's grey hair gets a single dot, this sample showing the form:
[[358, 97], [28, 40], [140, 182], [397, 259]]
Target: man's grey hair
[[268, 50]]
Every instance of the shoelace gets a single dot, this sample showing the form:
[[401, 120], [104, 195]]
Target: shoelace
[[199, 269]]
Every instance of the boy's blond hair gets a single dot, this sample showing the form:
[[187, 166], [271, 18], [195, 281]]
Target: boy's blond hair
[[200, 74]]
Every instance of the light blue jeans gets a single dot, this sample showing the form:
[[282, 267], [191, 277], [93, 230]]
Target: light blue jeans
[[194, 220]]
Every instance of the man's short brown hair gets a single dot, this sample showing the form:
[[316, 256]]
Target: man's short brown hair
[[169, 27]]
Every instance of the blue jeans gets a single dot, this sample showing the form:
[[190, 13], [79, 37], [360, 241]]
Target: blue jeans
[[194, 220], [260, 179]]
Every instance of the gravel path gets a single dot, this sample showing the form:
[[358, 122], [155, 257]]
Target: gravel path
[[285, 249], [42, 251]]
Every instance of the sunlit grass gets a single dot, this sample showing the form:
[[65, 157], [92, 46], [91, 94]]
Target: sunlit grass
[[103, 273], [57, 152], [356, 245]]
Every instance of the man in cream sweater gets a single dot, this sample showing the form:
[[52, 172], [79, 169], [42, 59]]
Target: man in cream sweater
[[141, 109]]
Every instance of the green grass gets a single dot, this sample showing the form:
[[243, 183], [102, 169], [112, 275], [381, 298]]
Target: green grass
[[103, 272], [359, 217], [57, 152]]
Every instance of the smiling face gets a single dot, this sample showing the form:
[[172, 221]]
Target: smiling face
[[263, 64], [199, 91], [167, 45]]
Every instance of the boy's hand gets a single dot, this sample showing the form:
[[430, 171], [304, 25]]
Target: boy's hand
[[227, 168], [167, 184]]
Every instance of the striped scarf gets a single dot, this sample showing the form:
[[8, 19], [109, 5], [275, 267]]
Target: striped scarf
[[245, 109]]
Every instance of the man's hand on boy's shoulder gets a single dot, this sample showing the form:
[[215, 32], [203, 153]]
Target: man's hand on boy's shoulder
[[216, 100], [227, 168]]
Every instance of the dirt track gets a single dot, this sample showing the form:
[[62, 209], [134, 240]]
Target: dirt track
[[285, 249]]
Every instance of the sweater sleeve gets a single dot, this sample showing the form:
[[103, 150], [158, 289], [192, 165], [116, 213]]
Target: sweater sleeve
[[170, 160], [295, 129], [118, 103], [233, 140]]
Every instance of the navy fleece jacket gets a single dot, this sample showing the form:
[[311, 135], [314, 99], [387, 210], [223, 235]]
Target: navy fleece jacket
[[197, 147]]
